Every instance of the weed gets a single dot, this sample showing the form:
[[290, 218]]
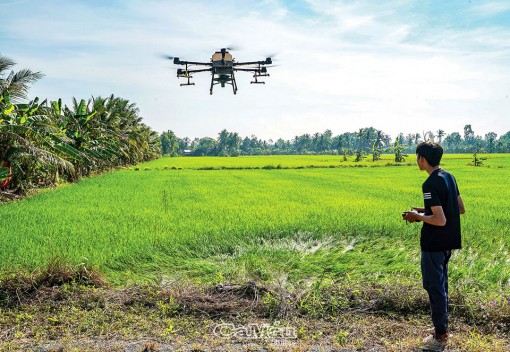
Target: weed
[[341, 337]]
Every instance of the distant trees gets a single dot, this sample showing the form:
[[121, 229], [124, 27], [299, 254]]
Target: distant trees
[[228, 143], [170, 143], [205, 146], [440, 135], [490, 139], [365, 141], [453, 142], [502, 145]]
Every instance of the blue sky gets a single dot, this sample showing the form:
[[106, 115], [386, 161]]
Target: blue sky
[[399, 66]]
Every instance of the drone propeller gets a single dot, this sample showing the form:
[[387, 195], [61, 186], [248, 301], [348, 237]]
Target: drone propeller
[[271, 55], [165, 56], [234, 47], [175, 59]]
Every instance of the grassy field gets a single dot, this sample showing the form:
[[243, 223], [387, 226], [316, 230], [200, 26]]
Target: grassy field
[[307, 161], [310, 242], [167, 219]]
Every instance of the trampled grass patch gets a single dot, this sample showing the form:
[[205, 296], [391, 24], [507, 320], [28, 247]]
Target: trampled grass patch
[[295, 224]]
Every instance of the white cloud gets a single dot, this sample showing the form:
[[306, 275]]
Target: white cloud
[[490, 8]]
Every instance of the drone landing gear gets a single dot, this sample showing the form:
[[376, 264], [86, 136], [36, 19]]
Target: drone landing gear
[[223, 79], [234, 83], [259, 75], [188, 83], [185, 73]]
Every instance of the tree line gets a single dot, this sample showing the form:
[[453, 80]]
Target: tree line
[[42, 142], [362, 143]]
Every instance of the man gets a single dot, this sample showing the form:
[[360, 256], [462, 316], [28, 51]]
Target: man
[[440, 234]]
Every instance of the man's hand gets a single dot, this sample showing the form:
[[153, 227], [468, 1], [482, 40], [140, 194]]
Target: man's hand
[[411, 216], [418, 209], [437, 218]]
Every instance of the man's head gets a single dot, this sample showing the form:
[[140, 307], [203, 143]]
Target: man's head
[[430, 151]]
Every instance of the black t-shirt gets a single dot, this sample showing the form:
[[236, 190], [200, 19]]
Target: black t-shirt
[[440, 188]]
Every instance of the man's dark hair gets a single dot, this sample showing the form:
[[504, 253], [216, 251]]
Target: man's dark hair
[[431, 151]]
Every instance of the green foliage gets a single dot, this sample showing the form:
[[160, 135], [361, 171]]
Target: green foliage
[[376, 152], [477, 159], [47, 142], [341, 337], [57, 107], [398, 150], [345, 153], [169, 143], [360, 155], [228, 143], [4, 172]]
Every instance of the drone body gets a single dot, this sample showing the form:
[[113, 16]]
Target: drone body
[[222, 68]]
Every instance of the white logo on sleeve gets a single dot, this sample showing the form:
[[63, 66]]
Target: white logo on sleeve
[[427, 195]]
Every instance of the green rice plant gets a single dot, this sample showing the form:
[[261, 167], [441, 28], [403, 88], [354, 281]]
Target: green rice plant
[[301, 223]]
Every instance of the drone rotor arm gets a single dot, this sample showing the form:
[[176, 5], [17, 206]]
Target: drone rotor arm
[[179, 62], [201, 70], [247, 69], [267, 61]]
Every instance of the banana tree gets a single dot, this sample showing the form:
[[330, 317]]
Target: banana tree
[[31, 142], [398, 150], [376, 151]]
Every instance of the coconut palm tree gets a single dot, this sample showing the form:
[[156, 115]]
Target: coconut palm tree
[[440, 135], [16, 83]]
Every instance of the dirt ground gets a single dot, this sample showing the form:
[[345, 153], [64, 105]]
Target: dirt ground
[[230, 317]]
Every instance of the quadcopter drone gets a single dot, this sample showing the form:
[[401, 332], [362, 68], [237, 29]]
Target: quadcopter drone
[[222, 68]]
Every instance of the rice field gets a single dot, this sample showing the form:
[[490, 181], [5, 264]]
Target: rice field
[[268, 218]]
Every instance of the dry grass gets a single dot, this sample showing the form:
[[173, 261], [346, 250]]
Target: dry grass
[[17, 286], [59, 312]]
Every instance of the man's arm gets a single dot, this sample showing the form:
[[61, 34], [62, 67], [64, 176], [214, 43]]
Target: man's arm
[[437, 218], [462, 210]]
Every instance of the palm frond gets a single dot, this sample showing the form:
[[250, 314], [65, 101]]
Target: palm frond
[[5, 64], [19, 84]]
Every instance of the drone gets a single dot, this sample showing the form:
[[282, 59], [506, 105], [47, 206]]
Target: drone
[[222, 68]]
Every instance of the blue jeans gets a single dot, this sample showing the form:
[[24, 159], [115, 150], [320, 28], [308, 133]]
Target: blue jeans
[[434, 271]]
